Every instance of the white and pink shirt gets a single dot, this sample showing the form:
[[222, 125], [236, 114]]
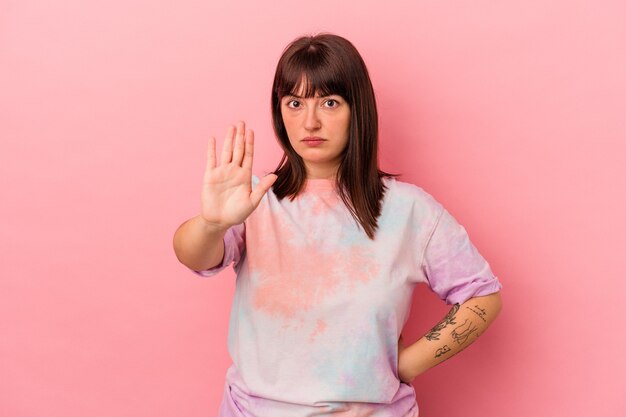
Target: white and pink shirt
[[319, 307]]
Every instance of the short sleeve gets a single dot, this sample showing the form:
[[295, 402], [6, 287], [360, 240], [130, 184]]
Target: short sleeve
[[234, 245], [453, 267]]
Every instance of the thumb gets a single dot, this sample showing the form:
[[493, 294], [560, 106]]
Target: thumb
[[261, 188]]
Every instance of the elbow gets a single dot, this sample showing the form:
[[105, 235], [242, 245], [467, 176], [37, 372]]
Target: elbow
[[496, 304], [177, 247]]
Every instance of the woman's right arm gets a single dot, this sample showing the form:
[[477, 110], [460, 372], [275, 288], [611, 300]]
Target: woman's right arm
[[227, 199]]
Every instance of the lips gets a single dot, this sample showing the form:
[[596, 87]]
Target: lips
[[313, 141]]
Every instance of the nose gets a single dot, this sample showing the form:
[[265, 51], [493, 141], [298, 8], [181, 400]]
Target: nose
[[312, 121]]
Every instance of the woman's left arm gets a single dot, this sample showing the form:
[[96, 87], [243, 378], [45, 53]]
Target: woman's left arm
[[459, 329]]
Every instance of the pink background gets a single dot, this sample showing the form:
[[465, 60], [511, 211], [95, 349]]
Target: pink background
[[510, 113]]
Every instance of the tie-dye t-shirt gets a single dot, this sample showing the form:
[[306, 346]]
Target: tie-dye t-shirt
[[319, 307]]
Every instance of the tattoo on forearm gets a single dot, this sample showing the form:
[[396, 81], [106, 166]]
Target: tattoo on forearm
[[462, 332], [442, 351], [480, 312], [435, 332]]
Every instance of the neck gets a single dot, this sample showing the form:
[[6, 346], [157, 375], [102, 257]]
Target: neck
[[319, 173]]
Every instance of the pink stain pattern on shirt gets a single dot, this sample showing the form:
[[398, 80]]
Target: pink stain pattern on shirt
[[297, 275], [320, 327]]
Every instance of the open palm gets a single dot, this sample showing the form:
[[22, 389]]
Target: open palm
[[227, 195]]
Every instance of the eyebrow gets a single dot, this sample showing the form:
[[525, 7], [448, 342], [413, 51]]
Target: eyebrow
[[297, 96]]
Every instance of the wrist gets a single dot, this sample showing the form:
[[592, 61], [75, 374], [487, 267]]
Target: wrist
[[211, 227], [406, 369], [416, 360]]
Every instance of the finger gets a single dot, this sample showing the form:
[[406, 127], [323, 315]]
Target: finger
[[210, 155], [227, 148], [261, 188], [241, 129], [239, 145], [249, 150]]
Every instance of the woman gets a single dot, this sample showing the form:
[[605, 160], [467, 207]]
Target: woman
[[327, 251]]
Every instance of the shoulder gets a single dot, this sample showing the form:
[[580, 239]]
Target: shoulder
[[408, 194], [412, 207]]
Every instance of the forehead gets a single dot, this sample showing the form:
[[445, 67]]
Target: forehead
[[309, 86], [303, 89]]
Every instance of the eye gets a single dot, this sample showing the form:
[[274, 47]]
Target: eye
[[331, 103], [294, 104]]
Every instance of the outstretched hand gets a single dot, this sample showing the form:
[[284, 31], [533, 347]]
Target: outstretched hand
[[227, 196]]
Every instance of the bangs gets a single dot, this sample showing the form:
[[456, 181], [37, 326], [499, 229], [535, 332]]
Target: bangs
[[310, 72]]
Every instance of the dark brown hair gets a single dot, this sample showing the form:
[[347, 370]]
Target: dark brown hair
[[330, 64]]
